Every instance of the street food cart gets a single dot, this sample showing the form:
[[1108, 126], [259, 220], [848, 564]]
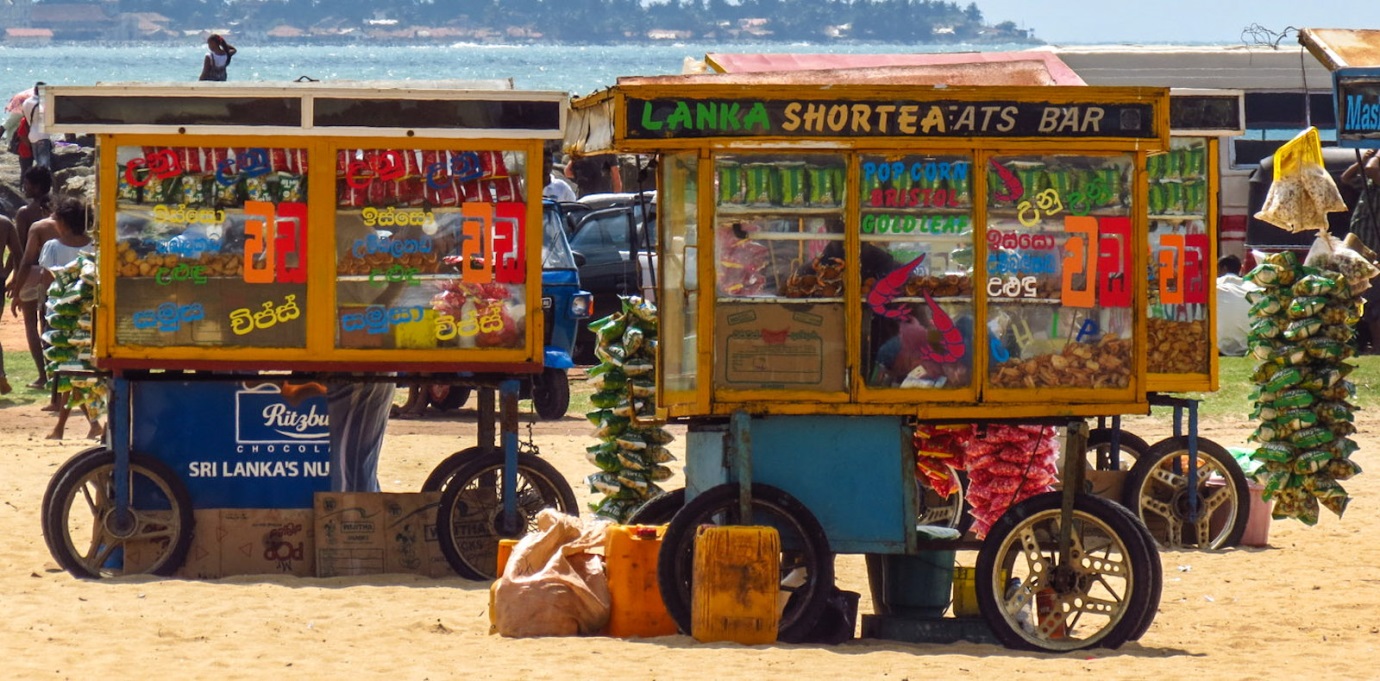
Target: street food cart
[[843, 262], [260, 243]]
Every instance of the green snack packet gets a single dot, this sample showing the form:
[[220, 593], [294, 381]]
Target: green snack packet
[[1295, 419], [1292, 398], [658, 454], [1266, 432], [642, 388], [1334, 412], [610, 328], [1311, 461], [1341, 469], [1280, 452], [1266, 306], [1300, 329], [603, 461], [1309, 306], [656, 436], [1288, 355], [632, 340], [612, 428], [1317, 284], [630, 440], [630, 459], [1265, 274], [1264, 412], [605, 399], [1324, 348], [1267, 328], [1309, 438], [598, 416], [661, 473], [607, 483], [1283, 378]]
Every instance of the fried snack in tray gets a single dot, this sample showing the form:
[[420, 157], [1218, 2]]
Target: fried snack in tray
[[423, 263], [1177, 347], [822, 278], [131, 263], [1104, 364], [937, 285]]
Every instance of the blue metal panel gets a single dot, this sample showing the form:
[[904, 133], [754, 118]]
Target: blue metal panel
[[1356, 98], [856, 474], [235, 447]]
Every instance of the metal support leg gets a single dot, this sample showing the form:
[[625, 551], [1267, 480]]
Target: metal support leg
[[1193, 500], [1075, 448], [487, 432], [508, 416], [740, 429], [120, 418]]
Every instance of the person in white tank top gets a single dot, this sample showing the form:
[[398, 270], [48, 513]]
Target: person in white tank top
[[214, 65]]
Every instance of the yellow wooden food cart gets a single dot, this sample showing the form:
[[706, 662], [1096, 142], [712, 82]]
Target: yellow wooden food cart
[[260, 242], [841, 262]]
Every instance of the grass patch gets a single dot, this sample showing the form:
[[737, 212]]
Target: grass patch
[[1233, 397], [19, 369]]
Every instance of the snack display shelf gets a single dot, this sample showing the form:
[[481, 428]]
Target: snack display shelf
[[773, 211]]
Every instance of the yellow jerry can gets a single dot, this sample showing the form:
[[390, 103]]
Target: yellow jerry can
[[737, 576]]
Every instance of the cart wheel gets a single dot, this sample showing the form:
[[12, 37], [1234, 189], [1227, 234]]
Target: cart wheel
[[45, 509], [551, 394], [446, 397], [1156, 571], [444, 471], [945, 512], [471, 510], [804, 547], [1100, 598], [1157, 491], [1130, 448], [89, 539], [659, 509]]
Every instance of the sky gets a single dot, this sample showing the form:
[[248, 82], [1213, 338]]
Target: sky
[[1175, 21]]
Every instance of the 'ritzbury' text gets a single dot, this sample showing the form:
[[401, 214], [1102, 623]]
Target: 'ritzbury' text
[[698, 118]]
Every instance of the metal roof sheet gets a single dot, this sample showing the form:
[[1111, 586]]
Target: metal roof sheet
[[1342, 47], [969, 68]]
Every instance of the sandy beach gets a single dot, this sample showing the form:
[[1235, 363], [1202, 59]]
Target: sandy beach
[[1310, 603]]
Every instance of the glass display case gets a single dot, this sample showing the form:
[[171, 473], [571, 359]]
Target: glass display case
[[875, 251], [301, 243], [1180, 342]]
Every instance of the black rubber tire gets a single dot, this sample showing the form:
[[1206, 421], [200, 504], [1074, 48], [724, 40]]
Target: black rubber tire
[[944, 509], [474, 492], [173, 530], [444, 471], [44, 508], [445, 397], [1033, 524], [551, 394], [658, 510], [771, 506], [1130, 448], [1161, 504], [1156, 570]]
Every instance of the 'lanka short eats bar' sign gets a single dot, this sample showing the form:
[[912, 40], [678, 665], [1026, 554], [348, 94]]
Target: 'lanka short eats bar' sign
[[673, 118], [1358, 107]]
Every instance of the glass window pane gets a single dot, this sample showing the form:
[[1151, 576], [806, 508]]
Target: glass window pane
[[679, 301], [211, 247], [1177, 327], [429, 249], [916, 271], [1059, 298]]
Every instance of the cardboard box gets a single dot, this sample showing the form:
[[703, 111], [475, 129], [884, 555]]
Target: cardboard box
[[250, 541], [349, 534], [267, 542], [203, 558], [411, 545], [361, 533], [781, 346]]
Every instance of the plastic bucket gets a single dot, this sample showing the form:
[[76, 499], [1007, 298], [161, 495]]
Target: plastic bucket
[[919, 585], [1257, 519]]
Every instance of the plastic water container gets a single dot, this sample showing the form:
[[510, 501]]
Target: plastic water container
[[505, 549], [737, 574], [637, 609], [920, 585]]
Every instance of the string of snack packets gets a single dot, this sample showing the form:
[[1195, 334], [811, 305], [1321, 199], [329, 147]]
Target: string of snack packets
[[631, 454], [71, 301], [1304, 314], [1006, 464]]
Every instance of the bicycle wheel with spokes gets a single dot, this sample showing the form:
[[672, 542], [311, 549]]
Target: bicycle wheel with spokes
[[807, 564], [469, 520], [1034, 600], [1157, 490], [89, 537]]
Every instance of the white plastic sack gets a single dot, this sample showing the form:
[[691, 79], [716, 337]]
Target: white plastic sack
[[553, 585]]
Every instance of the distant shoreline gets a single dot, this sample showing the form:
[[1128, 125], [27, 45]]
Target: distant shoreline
[[334, 42]]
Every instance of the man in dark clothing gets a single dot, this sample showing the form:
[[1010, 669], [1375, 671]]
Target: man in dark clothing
[[595, 174]]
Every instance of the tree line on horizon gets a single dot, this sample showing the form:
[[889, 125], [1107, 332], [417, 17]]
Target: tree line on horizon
[[597, 21]]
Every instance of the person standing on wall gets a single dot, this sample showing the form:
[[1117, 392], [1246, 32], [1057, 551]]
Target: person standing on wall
[[40, 143], [217, 60]]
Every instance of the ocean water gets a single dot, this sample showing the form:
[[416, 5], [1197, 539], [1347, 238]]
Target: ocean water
[[575, 69]]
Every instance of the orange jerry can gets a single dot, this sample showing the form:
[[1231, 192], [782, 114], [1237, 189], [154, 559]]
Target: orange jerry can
[[737, 575], [637, 608]]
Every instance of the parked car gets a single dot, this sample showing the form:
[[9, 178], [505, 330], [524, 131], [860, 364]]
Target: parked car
[[616, 226]]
